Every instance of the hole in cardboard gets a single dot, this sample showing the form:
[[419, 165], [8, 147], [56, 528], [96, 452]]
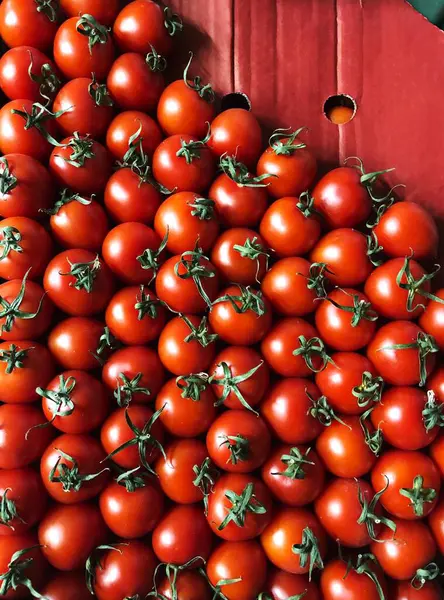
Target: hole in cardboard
[[235, 100], [340, 109]]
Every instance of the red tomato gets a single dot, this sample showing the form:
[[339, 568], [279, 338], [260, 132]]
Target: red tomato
[[135, 316], [239, 507], [130, 197], [136, 82], [26, 312], [22, 573], [25, 245], [125, 571], [88, 107], [363, 582], [346, 319], [282, 585], [104, 11], [294, 474], [78, 282], [345, 252], [437, 453], [412, 483], [240, 256], [403, 590], [432, 318], [237, 132], [244, 562], [135, 374], [238, 441], [186, 412], [131, 507], [75, 402], [436, 524], [76, 341], [188, 219], [15, 80], [344, 449], [295, 541], [28, 23], [182, 534], [175, 472], [28, 186], [24, 366], [16, 422], [402, 366], [187, 584], [289, 227], [407, 228], [68, 533], [435, 382], [182, 163], [350, 383], [23, 500], [83, 46], [67, 586], [131, 129], [71, 468], [286, 410]]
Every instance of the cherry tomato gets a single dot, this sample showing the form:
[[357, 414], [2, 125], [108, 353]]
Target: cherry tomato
[[436, 524], [282, 585], [435, 382], [130, 197], [403, 590], [289, 228], [78, 282], [132, 124], [16, 422], [75, 342], [340, 582], [188, 584], [182, 534], [83, 46], [238, 441], [294, 541], [236, 131], [242, 561], [67, 586], [28, 186], [104, 11], [28, 569], [68, 533], [294, 474], [15, 80], [240, 255], [437, 453], [402, 366], [24, 366], [28, 23], [432, 319], [25, 500]]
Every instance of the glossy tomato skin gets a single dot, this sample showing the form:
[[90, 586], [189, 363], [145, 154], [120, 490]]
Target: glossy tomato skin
[[104, 11], [90, 403], [339, 378], [14, 79], [297, 490], [343, 448], [238, 560], [219, 506], [176, 473], [401, 555], [399, 469], [345, 253], [285, 530], [431, 319], [237, 205], [73, 56], [131, 361], [123, 318], [285, 409], [74, 341], [403, 590], [34, 190], [244, 424], [342, 199], [175, 215], [335, 324], [234, 267], [175, 172], [88, 453], [18, 386], [287, 230], [282, 585], [407, 228], [339, 583], [184, 357], [125, 125], [59, 284], [436, 523], [35, 571], [185, 417], [182, 534], [69, 532], [285, 285], [400, 410], [133, 84], [131, 514], [437, 453], [16, 421], [294, 172], [21, 24], [398, 367], [189, 584], [125, 572], [67, 586], [25, 489], [236, 131], [128, 198], [435, 382]]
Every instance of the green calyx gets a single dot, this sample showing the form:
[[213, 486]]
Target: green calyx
[[311, 349], [361, 309], [369, 392], [14, 358], [367, 179], [192, 385], [294, 462], [8, 510], [265, 596], [146, 305], [135, 157], [203, 209], [70, 476], [62, 403], [93, 563], [50, 8], [38, 115], [16, 576], [418, 495], [238, 447], [322, 411], [155, 61], [84, 274], [200, 333], [217, 589], [149, 259], [172, 22], [316, 278], [241, 505], [193, 264], [191, 150], [93, 30], [253, 250], [308, 552], [231, 383], [10, 241], [373, 249], [247, 300], [132, 480], [10, 311], [425, 574], [415, 286], [284, 141], [365, 564], [433, 413], [99, 93], [205, 91], [65, 197], [172, 572], [107, 343], [306, 204], [81, 150], [8, 181], [372, 437], [239, 173], [47, 80], [206, 477], [126, 388], [369, 518]]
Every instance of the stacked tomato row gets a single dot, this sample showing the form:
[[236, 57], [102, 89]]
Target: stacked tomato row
[[210, 377]]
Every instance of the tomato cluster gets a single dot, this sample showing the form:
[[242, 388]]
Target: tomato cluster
[[218, 367]]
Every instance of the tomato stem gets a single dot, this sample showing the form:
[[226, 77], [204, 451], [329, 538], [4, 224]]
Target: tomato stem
[[308, 551], [81, 150], [171, 573], [253, 250], [195, 270], [106, 342], [239, 173], [131, 481], [241, 505], [93, 30], [172, 21], [8, 510], [294, 462], [146, 305], [424, 574], [238, 447], [149, 259], [230, 384], [203, 209], [414, 286], [433, 413], [47, 80], [373, 439], [65, 197], [322, 411], [11, 310], [368, 515], [248, 299], [206, 92], [361, 309], [200, 333], [50, 8], [192, 385], [363, 567], [313, 347], [16, 576], [61, 398], [282, 141], [8, 181], [124, 391], [418, 495], [206, 477], [155, 61], [99, 93], [93, 563], [36, 117], [14, 358], [306, 204], [84, 274], [70, 476], [369, 392], [10, 242]]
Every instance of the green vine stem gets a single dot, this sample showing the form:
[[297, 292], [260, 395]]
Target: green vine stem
[[149, 259], [308, 552], [62, 401], [369, 392], [372, 437], [368, 179], [155, 61], [14, 357], [93, 30], [241, 505], [369, 518], [248, 299], [206, 477], [418, 495], [99, 93], [107, 343], [253, 250], [238, 447], [10, 311], [373, 249], [69, 476], [50, 8], [294, 462], [38, 115], [364, 566], [8, 181], [239, 173], [306, 204], [84, 274], [8, 510], [172, 22], [231, 383], [205, 91], [65, 197], [146, 305], [361, 309], [126, 388], [284, 141], [81, 150], [192, 150], [316, 278], [425, 574], [200, 333], [132, 480], [172, 571], [433, 413], [310, 349], [192, 385], [191, 263], [322, 411], [47, 80], [16, 576], [93, 563], [203, 209], [10, 241], [415, 286]]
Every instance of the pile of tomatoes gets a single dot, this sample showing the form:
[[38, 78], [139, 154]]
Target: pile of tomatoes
[[218, 367]]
